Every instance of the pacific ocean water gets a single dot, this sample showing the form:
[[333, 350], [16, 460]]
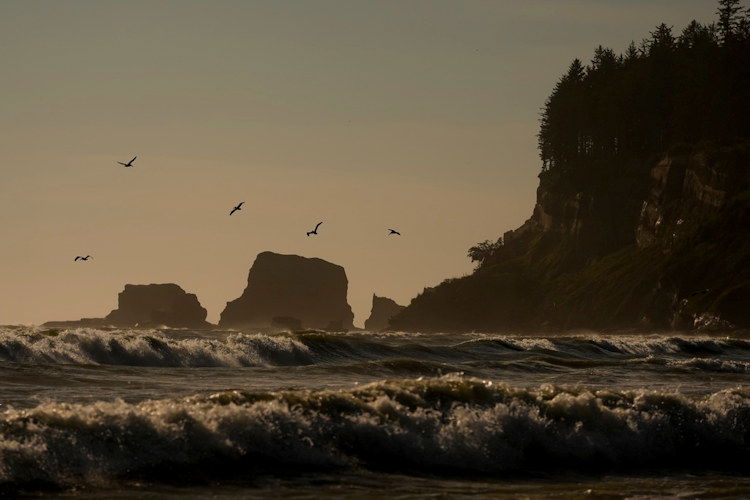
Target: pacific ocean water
[[110, 413]]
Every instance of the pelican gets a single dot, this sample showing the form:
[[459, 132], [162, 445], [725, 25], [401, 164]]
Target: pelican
[[238, 207], [315, 231], [82, 258], [128, 164]]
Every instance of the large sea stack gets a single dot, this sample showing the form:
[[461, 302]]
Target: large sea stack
[[383, 309], [310, 290]]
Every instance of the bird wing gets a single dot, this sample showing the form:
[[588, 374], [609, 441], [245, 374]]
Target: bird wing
[[76, 259], [318, 225], [241, 203], [131, 161], [233, 211], [121, 163]]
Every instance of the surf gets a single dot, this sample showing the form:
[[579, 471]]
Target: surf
[[460, 425]]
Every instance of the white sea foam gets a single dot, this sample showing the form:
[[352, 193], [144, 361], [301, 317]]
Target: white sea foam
[[147, 348], [448, 423], [158, 348]]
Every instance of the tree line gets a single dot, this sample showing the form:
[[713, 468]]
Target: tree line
[[661, 93], [665, 92]]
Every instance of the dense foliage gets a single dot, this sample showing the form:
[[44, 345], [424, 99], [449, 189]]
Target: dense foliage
[[667, 91]]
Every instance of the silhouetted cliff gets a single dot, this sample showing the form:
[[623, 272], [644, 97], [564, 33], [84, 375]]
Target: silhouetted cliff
[[670, 251], [310, 290], [383, 309], [642, 217]]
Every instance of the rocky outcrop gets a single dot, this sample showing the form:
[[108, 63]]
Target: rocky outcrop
[[157, 304], [383, 309], [147, 306], [656, 245], [308, 289]]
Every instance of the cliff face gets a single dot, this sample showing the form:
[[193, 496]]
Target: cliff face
[[312, 291], [661, 244], [383, 309], [686, 190], [157, 304]]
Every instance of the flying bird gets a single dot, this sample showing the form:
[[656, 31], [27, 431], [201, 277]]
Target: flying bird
[[128, 164], [314, 231], [238, 207], [393, 231], [82, 258]]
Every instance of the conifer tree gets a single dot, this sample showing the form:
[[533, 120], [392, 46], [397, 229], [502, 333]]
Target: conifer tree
[[730, 17]]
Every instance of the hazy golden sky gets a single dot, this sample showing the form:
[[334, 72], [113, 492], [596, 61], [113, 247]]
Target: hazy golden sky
[[416, 115]]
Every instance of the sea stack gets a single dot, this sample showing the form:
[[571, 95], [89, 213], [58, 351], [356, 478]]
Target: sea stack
[[310, 290], [157, 304], [383, 309], [146, 306]]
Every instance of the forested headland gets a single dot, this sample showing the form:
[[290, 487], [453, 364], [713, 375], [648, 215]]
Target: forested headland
[[642, 216]]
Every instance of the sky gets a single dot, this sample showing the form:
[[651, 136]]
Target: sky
[[415, 115]]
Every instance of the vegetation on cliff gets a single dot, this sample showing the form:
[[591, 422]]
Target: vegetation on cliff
[[666, 91], [643, 206]]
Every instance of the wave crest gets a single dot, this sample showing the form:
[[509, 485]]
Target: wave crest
[[149, 348], [450, 423], [360, 351]]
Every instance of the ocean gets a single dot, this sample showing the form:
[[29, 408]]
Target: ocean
[[92, 413]]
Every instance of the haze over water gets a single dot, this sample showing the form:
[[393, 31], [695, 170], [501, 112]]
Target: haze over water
[[368, 115]]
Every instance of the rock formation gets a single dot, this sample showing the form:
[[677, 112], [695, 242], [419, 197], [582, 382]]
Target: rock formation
[[157, 304], [308, 289], [383, 309], [631, 252], [152, 305]]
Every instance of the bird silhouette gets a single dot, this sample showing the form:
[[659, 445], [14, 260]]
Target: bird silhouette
[[238, 207], [128, 164], [314, 231], [82, 258], [393, 231]]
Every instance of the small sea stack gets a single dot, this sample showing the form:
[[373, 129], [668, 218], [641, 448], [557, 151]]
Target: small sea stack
[[383, 309]]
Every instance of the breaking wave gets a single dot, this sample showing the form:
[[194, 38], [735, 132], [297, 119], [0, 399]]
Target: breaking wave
[[457, 425], [407, 352], [150, 348]]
